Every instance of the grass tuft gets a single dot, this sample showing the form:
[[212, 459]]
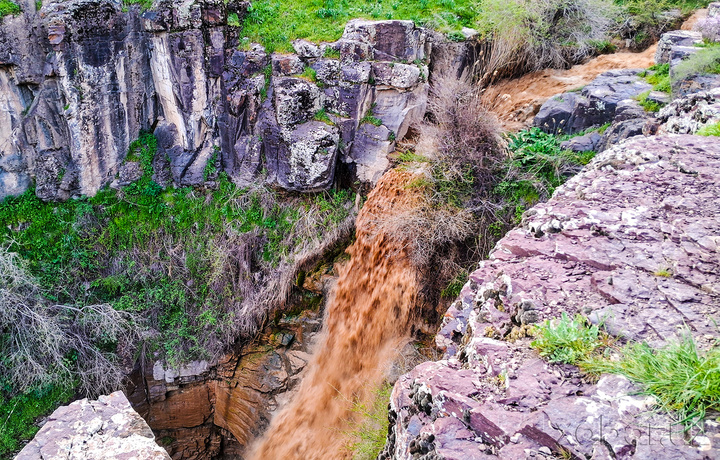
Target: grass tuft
[[710, 130], [566, 340], [8, 7]]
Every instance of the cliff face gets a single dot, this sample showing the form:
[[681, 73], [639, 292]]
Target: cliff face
[[80, 79], [600, 247]]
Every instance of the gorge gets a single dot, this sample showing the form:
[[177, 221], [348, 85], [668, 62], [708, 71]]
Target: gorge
[[281, 233]]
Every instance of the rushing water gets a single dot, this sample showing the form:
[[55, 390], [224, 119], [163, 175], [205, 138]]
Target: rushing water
[[368, 318]]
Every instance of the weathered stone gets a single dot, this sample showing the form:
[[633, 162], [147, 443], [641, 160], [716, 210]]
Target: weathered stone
[[641, 208], [584, 143], [670, 40], [106, 428], [620, 131], [688, 114], [287, 64]]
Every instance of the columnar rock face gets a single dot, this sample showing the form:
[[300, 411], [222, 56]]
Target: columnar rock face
[[89, 430], [633, 241], [80, 79]]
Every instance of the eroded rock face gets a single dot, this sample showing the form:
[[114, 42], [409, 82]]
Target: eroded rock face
[[107, 428], [80, 79], [594, 105], [206, 411], [602, 246]]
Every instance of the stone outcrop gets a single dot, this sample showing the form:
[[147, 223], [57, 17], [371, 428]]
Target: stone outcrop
[[689, 114], [80, 79], [603, 246], [107, 428], [594, 105]]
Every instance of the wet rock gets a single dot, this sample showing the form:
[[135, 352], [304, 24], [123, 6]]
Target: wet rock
[[594, 105], [105, 428], [583, 143]]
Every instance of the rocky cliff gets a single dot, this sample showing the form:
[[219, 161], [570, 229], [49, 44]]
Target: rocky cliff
[[80, 79], [600, 247]]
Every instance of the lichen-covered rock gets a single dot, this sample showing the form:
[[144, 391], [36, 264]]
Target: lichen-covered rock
[[107, 428], [642, 209], [594, 105], [688, 114]]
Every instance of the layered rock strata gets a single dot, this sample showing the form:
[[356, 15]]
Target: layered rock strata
[[603, 246]]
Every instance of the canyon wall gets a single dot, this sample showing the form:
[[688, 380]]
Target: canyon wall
[[80, 79]]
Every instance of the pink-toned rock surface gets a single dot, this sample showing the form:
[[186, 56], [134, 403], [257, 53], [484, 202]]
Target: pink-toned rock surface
[[602, 246]]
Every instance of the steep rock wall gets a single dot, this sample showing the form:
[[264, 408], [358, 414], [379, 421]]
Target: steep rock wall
[[80, 79]]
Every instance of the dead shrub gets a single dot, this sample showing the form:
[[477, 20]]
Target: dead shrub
[[46, 344]]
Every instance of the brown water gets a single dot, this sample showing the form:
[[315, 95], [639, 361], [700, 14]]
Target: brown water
[[368, 318]]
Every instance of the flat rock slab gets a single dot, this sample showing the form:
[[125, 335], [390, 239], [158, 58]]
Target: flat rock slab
[[632, 240], [108, 428]]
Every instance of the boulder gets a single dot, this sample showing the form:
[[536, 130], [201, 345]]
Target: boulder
[[676, 38], [105, 428], [594, 105], [688, 114], [583, 143]]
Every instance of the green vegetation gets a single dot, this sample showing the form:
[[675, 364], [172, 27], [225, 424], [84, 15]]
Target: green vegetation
[[370, 117], [19, 412], [144, 4], [452, 291], [566, 340], [164, 253], [683, 379], [331, 53], [663, 273], [309, 74], [233, 20], [321, 115], [275, 23], [368, 434], [705, 61], [660, 77], [648, 104], [712, 129], [8, 7], [536, 167]]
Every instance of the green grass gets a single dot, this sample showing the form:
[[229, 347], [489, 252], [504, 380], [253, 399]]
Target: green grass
[[122, 248], [309, 74], [144, 4], [710, 130], [18, 413], [275, 23], [370, 117], [321, 115], [647, 104], [566, 340], [369, 433], [683, 379], [7, 8]]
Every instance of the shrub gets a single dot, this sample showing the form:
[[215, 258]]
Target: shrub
[[8, 7], [532, 35], [566, 340], [45, 344]]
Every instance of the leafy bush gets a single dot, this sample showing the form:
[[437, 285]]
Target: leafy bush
[[532, 35], [8, 7], [566, 340], [679, 376], [660, 77]]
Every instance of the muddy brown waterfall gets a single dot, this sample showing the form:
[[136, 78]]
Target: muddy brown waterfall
[[367, 319]]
